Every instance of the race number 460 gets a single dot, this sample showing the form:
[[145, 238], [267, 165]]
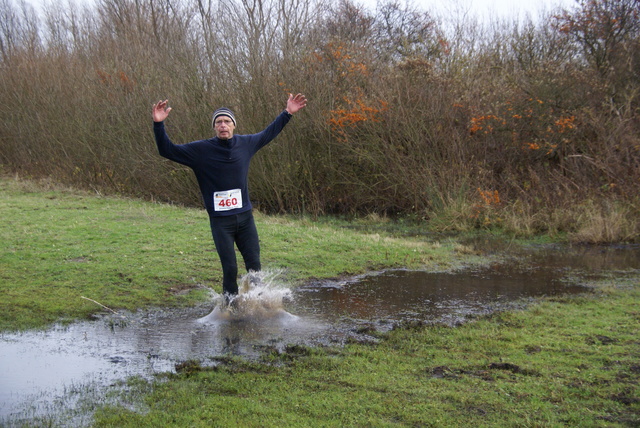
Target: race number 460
[[227, 200]]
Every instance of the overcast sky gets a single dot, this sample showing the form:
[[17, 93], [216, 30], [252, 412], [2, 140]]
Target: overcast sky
[[484, 8], [481, 8]]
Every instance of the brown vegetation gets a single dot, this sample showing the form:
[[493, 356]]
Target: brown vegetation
[[523, 124]]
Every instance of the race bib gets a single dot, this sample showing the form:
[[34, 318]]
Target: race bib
[[227, 200]]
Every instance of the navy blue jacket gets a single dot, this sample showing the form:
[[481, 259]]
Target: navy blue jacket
[[220, 165]]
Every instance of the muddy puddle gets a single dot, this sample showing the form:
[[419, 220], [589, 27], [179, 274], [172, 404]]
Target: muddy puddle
[[53, 372]]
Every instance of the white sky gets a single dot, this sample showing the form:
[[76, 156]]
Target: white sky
[[485, 8], [481, 8]]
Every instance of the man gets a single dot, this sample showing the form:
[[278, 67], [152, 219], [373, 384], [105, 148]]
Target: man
[[221, 166]]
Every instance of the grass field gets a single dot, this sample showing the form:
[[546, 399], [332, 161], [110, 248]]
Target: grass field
[[568, 361], [61, 245]]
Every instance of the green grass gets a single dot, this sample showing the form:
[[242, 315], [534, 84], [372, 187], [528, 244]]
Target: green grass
[[60, 245]]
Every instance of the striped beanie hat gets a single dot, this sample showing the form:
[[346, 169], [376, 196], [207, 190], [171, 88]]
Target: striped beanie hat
[[223, 111]]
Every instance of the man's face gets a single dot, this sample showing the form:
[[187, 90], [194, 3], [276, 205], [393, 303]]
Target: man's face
[[224, 127]]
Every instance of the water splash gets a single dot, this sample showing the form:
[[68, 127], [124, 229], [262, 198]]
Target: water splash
[[260, 297]]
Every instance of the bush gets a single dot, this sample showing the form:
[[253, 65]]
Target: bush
[[407, 115]]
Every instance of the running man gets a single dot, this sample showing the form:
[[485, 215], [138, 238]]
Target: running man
[[221, 166]]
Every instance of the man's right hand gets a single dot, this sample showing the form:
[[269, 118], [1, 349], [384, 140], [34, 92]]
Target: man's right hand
[[160, 111]]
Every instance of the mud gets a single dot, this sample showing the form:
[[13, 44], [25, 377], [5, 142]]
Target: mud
[[42, 372]]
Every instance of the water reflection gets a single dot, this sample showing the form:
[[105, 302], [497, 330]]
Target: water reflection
[[587, 258], [397, 295]]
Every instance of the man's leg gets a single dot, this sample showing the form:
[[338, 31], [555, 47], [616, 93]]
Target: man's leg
[[248, 242], [223, 230]]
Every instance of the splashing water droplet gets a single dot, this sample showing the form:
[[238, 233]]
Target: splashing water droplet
[[260, 297]]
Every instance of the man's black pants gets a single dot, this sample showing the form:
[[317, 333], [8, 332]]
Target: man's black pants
[[239, 229]]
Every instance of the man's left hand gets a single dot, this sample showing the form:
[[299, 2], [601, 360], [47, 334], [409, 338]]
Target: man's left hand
[[296, 103]]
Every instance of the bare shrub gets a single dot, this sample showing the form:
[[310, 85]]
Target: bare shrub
[[409, 113], [607, 222]]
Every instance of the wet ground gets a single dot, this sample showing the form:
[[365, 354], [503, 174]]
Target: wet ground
[[42, 371]]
